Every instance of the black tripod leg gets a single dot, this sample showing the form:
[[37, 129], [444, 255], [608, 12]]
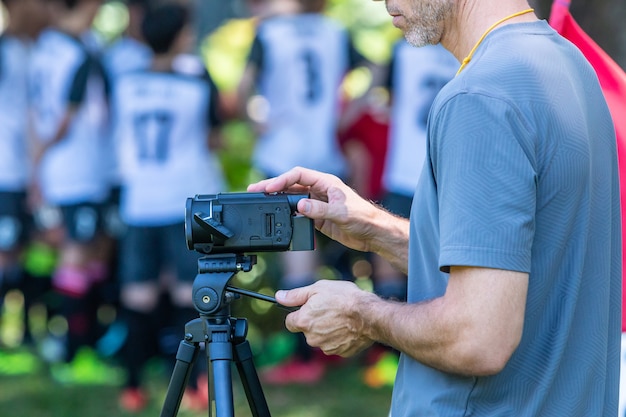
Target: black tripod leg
[[250, 380], [185, 358], [220, 355]]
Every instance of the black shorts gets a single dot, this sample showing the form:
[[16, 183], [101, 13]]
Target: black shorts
[[146, 251], [82, 221], [15, 220]]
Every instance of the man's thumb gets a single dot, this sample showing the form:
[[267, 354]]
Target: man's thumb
[[292, 298]]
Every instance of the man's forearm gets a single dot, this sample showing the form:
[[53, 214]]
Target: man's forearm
[[473, 329]]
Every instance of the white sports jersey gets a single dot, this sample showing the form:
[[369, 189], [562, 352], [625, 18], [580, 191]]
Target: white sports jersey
[[304, 60], [14, 165], [162, 123], [122, 56], [73, 170], [417, 75]]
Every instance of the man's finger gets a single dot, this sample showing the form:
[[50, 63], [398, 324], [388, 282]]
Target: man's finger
[[293, 298]]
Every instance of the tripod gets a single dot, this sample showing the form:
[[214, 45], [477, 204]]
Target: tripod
[[224, 336]]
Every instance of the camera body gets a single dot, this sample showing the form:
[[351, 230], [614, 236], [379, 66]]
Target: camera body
[[247, 222]]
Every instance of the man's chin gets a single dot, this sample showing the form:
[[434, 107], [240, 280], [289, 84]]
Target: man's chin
[[418, 38]]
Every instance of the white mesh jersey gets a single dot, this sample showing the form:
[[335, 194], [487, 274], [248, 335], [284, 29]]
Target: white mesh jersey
[[416, 76], [162, 124], [123, 56], [14, 170], [63, 75], [305, 58]]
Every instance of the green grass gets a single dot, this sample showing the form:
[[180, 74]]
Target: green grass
[[30, 387], [34, 392]]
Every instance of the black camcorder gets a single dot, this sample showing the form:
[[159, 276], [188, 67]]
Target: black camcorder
[[247, 222]]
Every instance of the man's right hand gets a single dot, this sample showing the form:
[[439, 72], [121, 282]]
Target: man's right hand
[[341, 214]]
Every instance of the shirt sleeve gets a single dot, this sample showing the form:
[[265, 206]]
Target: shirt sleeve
[[78, 87], [214, 115], [481, 155]]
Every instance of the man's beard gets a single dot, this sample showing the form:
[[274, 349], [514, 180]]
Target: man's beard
[[425, 24]]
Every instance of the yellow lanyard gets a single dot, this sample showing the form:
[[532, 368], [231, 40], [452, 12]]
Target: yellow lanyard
[[468, 58]]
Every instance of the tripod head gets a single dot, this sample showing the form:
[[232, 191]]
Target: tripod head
[[209, 293], [211, 290]]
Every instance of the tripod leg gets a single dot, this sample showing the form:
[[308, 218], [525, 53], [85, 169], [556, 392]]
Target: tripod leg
[[220, 355], [185, 358], [250, 380]]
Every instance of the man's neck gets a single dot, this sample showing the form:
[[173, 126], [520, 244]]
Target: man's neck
[[471, 19]]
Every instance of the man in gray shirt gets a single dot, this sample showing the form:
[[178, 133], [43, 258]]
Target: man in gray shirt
[[513, 248]]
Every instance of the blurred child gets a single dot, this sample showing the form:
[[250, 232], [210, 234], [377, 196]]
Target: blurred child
[[363, 132], [296, 64], [69, 97], [167, 122], [26, 18]]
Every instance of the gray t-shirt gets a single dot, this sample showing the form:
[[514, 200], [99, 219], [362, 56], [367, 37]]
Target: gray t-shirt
[[521, 174]]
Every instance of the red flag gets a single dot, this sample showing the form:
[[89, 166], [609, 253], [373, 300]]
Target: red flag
[[613, 81]]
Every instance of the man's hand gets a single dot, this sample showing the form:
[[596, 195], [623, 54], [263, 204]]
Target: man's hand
[[329, 317], [341, 214], [473, 329]]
